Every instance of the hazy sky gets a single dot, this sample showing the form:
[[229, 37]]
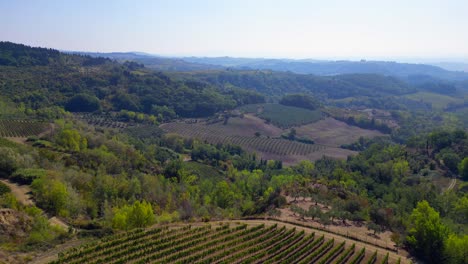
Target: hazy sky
[[248, 28]]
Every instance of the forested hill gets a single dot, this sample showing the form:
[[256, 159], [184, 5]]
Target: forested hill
[[402, 70], [43, 78], [280, 83], [154, 62]]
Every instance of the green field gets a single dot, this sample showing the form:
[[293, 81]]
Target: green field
[[222, 243], [438, 101], [283, 116]]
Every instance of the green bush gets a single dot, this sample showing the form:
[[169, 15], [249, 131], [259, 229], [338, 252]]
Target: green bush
[[27, 176], [4, 188]]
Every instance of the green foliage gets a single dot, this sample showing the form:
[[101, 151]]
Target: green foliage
[[78, 81], [8, 161], [21, 55], [4, 189], [27, 176], [284, 116], [280, 83], [300, 100], [42, 233], [8, 200], [138, 215], [71, 140], [463, 168], [455, 249], [450, 159], [426, 233], [52, 195], [83, 103]]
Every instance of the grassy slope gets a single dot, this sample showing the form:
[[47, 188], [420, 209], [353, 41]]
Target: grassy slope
[[438, 101]]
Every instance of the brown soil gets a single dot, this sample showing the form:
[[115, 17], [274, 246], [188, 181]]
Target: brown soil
[[247, 126], [21, 192], [332, 132], [20, 140], [332, 152], [351, 229], [393, 256], [51, 255]]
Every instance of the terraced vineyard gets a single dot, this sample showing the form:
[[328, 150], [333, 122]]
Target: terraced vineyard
[[216, 134], [21, 128], [107, 121], [221, 243]]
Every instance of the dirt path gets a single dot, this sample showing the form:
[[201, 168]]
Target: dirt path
[[19, 140], [51, 255], [452, 184], [21, 192]]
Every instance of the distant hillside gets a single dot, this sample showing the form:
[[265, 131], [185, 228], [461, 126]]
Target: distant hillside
[[154, 62], [333, 67], [43, 78], [276, 84], [12, 54], [452, 66]]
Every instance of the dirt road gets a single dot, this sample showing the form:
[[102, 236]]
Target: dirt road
[[452, 184], [23, 195], [21, 192]]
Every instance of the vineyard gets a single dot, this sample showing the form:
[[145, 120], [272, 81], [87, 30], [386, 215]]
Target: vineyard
[[216, 134], [222, 243], [283, 116], [22, 128], [101, 120]]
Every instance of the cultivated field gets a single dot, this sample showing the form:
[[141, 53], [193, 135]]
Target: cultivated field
[[107, 121], [283, 116], [22, 128], [228, 242], [331, 132], [241, 131]]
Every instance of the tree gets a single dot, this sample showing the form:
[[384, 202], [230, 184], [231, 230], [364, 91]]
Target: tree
[[426, 233], [300, 100], [83, 103], [461, 210], [141, 215], [52, 195], [292, 134], [400, 168], [8, 161], [314, 212], [374, 227], [456, 249], [71, 140], [138, 215], [451, 159], [463, 168]]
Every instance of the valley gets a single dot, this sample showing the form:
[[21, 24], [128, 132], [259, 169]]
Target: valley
[[108, 160]]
